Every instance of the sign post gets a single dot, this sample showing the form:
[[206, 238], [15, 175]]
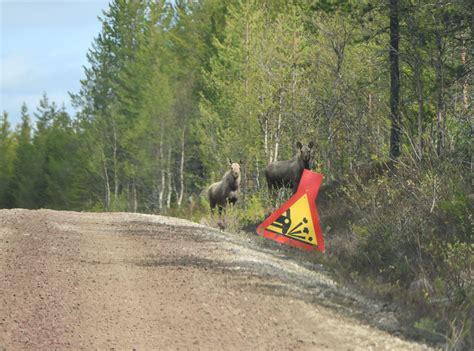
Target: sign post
[[296, 222]]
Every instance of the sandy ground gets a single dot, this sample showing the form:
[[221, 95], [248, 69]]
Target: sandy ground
[[128, 281]]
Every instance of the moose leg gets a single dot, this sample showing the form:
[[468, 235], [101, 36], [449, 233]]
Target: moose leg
[[273, 191], [220, 208], [232, 200], [213, 206], [294, 187], [295, 184]]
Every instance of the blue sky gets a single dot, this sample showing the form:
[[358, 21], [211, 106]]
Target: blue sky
[[43, 48]]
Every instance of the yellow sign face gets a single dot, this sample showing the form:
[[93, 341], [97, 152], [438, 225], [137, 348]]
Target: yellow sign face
[[296, 222]]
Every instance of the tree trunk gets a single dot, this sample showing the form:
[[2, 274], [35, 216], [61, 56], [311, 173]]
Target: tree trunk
[[419, 88], [170, 189], [418, 74], [440, 119], [257, 177], [278, 131], [134, 195], [465, 100], [163, 180], [116, 182], [330, 149], [395, 130], [181, 169], [265, 139], [107, 183], [369, 104]]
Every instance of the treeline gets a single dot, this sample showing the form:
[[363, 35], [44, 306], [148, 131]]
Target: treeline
[[172, 91], [41, 167]]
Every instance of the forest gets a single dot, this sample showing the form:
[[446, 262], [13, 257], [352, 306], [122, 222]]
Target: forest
[[383, 89]]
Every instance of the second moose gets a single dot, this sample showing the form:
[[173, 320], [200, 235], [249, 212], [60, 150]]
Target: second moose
[[227, 190], [288, 173]]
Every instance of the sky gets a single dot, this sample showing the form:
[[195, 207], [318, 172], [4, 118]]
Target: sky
[[43, 47]]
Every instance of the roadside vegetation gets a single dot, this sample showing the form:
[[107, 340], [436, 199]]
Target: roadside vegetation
[[383, 89]]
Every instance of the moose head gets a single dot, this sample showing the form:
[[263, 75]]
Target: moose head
[[304, 152], [235, 168]]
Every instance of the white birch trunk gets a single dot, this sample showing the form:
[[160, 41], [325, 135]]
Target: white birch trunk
[[107, 183], [116, 182], [277, 134], [181, 169], [265, 139], [170, 190], [257, 181], [162, 188], [134, 194]]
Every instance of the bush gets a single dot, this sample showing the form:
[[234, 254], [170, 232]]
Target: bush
[[411, 229]]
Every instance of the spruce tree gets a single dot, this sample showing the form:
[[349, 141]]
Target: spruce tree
[[7, 156]]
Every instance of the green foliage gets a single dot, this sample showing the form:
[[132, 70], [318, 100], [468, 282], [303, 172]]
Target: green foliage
[[412, 231], [253, 211], [426, 324], [8, 147]]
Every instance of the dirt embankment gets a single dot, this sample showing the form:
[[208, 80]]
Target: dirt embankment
[[128, 281]]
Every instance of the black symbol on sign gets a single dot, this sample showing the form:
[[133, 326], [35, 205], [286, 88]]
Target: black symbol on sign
[[282, 226], [301, 233], [282, 223]]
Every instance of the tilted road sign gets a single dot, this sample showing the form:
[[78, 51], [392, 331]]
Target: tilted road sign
[[296, 222]]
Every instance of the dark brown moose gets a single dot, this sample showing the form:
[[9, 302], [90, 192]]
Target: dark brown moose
[[226, 190], [288, 173]]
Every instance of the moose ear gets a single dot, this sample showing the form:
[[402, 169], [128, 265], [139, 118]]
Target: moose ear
[[299, 145], [230, 161], [311, 144]]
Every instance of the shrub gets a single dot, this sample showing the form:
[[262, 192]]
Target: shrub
[[411, 229]]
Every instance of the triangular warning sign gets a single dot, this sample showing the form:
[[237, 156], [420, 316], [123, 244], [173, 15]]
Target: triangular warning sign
[[296, 222]]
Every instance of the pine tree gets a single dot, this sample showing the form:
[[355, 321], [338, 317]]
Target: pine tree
[[23, 178], [107, 97], [7, 156]]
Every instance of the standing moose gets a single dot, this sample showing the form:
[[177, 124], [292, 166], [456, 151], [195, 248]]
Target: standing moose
[[288, 173], [226, 190]]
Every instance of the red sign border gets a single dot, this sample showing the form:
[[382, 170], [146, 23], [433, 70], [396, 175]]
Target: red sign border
[[309, 184]]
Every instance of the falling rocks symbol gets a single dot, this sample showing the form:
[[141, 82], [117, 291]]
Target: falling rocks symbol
[[296, 222]]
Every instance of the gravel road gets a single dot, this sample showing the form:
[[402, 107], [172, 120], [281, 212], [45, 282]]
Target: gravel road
[[121, 281]]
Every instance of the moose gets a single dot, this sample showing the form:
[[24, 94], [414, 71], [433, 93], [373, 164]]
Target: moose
[[226, 190], [288, 173]]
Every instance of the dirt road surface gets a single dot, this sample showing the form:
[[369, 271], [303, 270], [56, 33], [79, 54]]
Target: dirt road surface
[[121, 281]]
